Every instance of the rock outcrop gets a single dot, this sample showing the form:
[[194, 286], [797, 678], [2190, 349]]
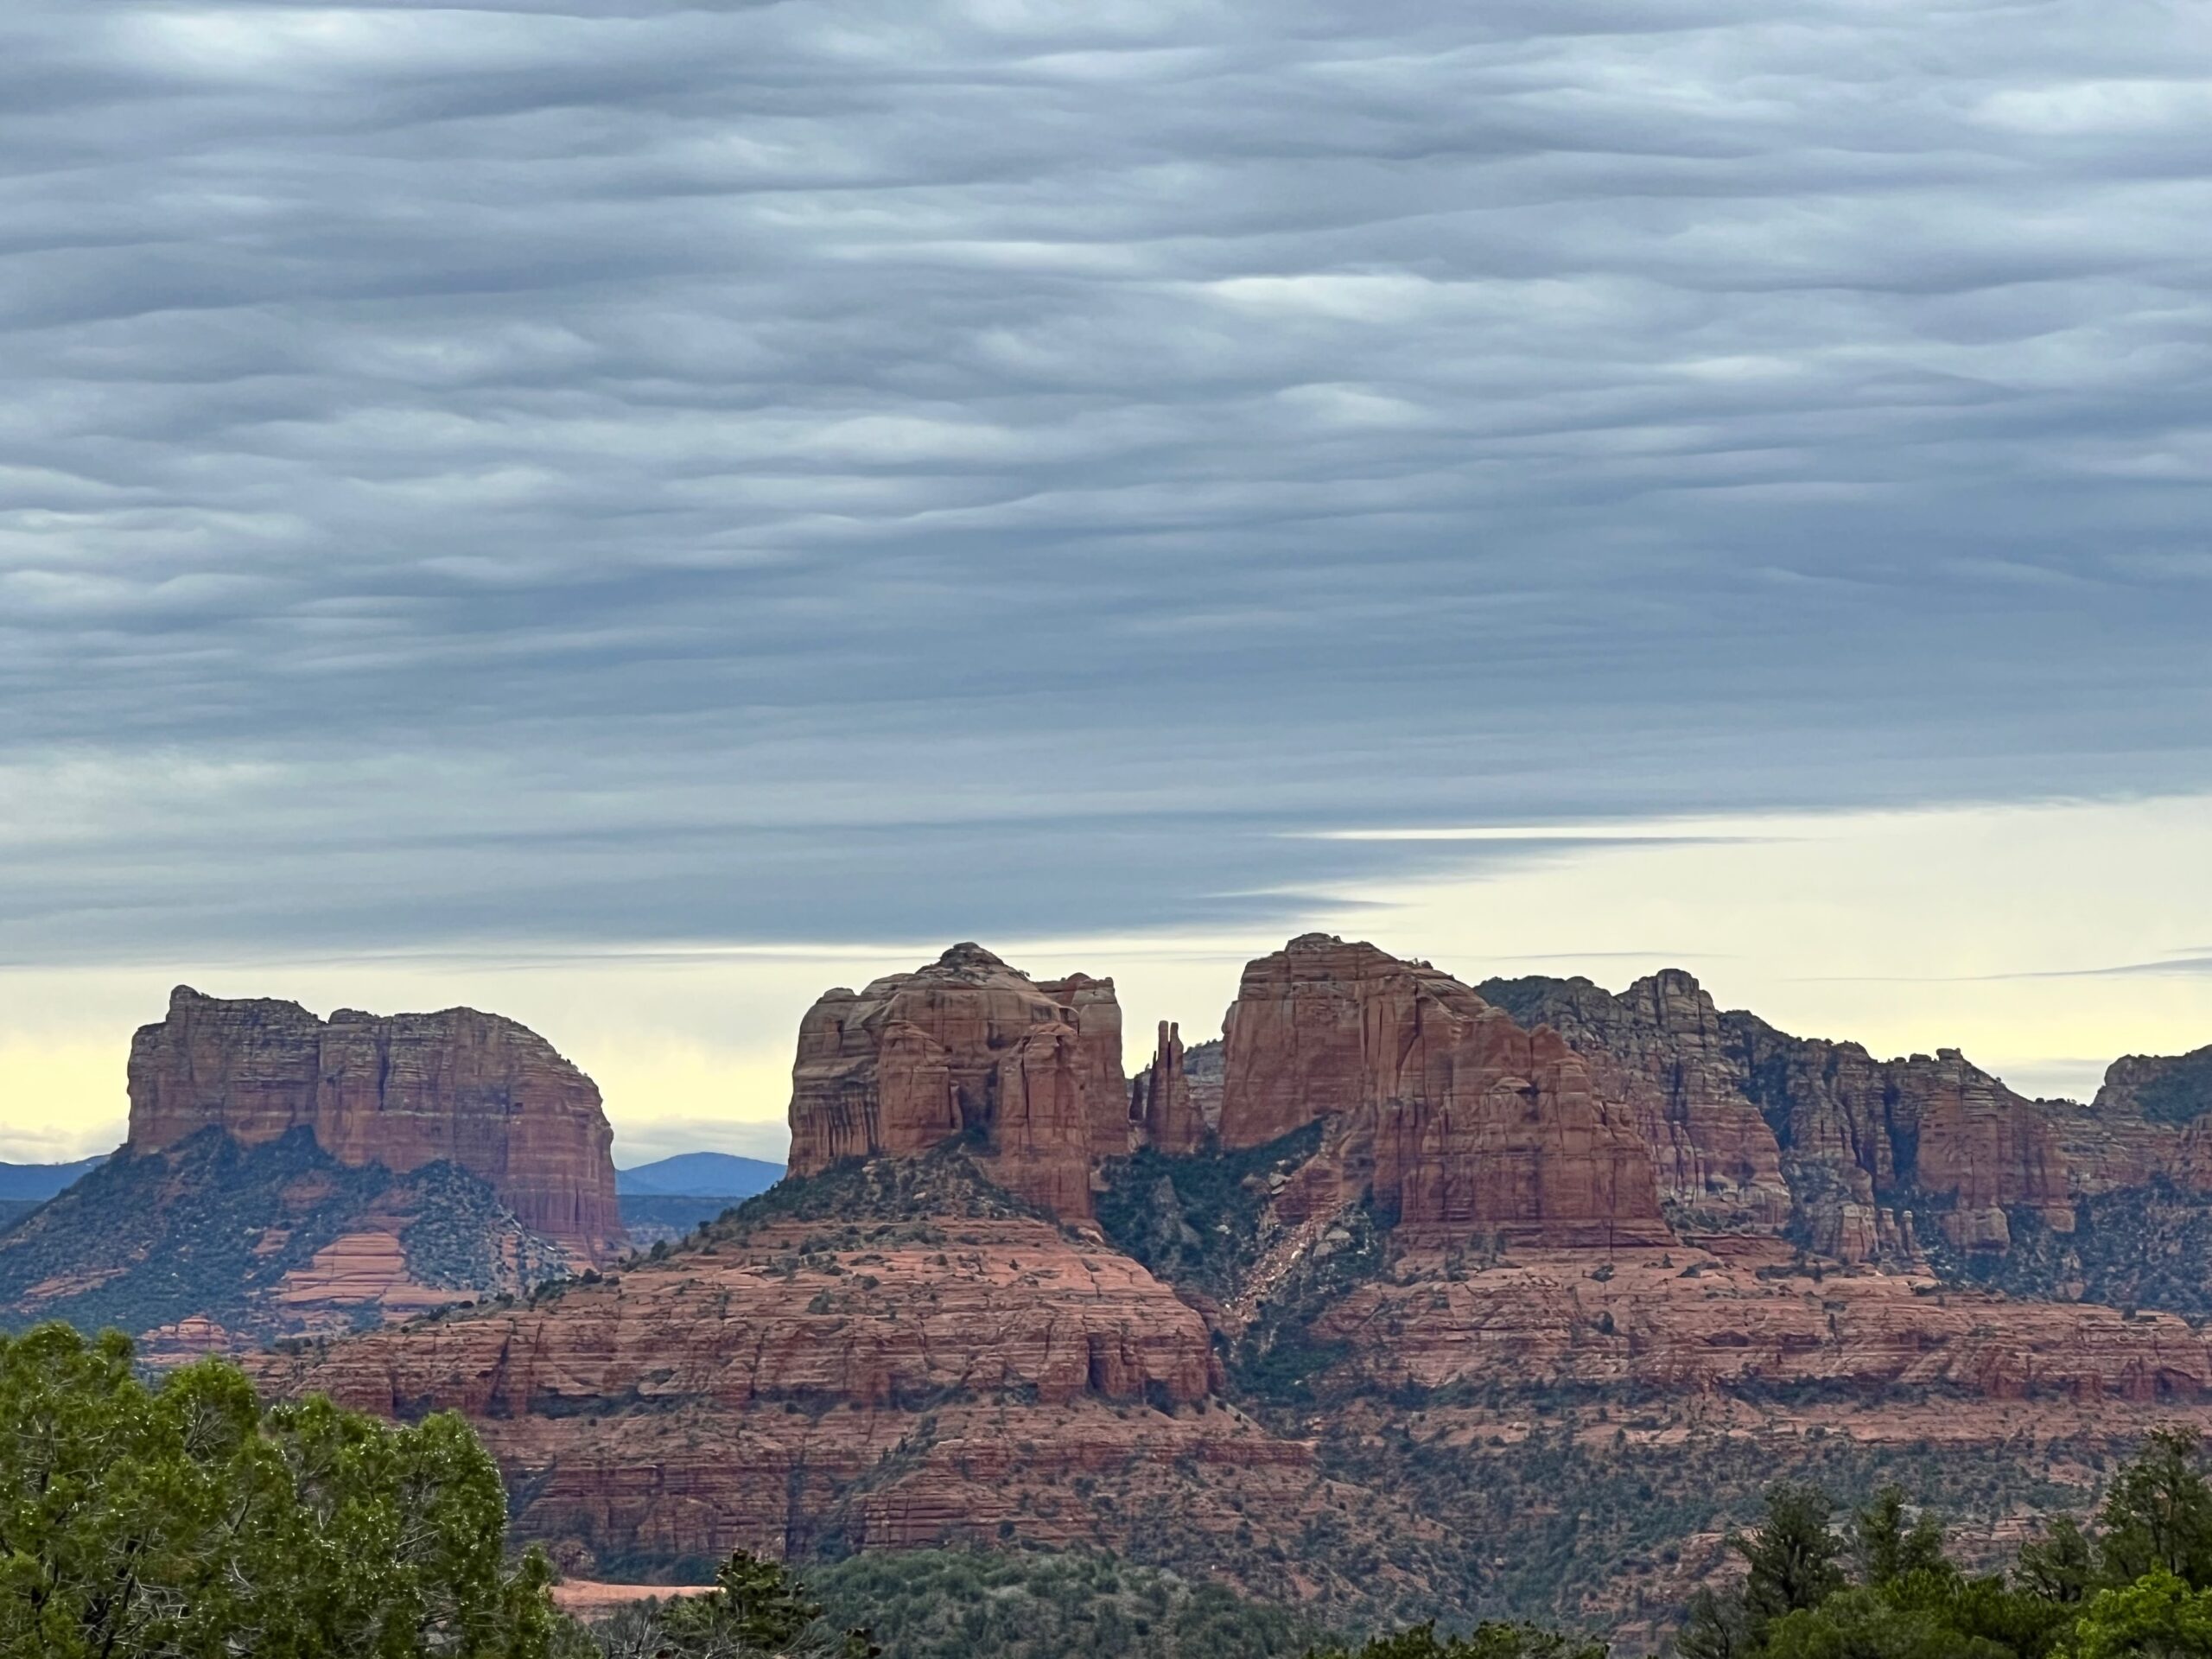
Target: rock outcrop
[[2150, 1123], [1690, 1323], [402, 1091], [1660, 1050], [798, 1385], [966, 1047], [1758, 1129], [1163, 1109], [1459, 1122], [1410, 1227]]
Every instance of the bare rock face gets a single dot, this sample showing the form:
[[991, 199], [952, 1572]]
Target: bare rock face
[[471, 1089], [1460, 1123], [1164, 1112], [1753, 1129], [2151, 1122], [895, 1386], [966, 1045], [1660, 1050]]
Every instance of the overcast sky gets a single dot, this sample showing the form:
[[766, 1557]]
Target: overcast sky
[[544, 479]]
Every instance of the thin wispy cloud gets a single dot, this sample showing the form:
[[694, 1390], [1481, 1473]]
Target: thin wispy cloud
[[592, 470]]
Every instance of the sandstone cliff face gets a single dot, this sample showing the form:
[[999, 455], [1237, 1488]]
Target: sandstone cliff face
[[2151, 1122], [1660, 1050], [1460, 1123], [462, 1087], [1754, 1128], [1689, 1323], [966, 1045], [1163, 1109], [881, 1387]]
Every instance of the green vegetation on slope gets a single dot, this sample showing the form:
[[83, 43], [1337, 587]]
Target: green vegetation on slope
[[1195, 1221], [1200, 1222], [209, 1227], [1580, 1529], [955, 1604], [2146, 1247], [2180, 1093], [1883, 1587], [943, 1184]]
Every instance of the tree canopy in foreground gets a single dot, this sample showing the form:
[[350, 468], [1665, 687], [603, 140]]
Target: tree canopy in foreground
[[182, 1519]]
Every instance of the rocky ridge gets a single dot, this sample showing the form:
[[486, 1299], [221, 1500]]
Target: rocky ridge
[[216, 1244], [288, 1176], [893, 1355], [1755, 1129], [1358, 1259]]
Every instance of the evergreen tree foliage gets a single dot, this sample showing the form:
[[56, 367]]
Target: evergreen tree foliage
[[184, 1521], [1490, 1640], [2158, 1517], [2140, 1588], [758, 1609]]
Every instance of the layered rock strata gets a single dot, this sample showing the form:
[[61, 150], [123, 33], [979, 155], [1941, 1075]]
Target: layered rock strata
[[966, 1047], [1163, 1108], [1754, 1128], [1459, 1123], [898, 1387], [2151, 1123], [1659, 1049], [402, 1091], [1691, 1323]]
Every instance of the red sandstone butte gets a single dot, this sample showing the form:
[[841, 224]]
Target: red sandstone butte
[[1460, 1122], [966, 1045], [404, 1090]]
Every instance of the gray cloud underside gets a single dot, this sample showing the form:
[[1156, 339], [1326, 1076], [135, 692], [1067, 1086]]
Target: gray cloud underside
[[864, 471]]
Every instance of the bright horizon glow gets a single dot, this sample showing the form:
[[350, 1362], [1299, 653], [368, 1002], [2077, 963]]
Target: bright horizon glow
[[2045, 941]]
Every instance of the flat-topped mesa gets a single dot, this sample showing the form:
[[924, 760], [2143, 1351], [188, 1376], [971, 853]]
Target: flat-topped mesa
[[1460, 1122], [966, 1045], [403, 1091]]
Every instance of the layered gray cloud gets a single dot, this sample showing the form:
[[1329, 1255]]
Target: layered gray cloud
[[856, 471]]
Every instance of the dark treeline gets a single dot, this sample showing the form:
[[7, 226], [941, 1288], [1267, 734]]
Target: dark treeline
[[1882, 1586]]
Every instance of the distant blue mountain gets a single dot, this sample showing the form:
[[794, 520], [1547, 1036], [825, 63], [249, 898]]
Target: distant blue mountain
[[707, 1174], [39, 1182]]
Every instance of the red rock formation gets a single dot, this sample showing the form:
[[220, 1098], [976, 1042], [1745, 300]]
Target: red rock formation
[[901, 1386], [1205, 1073], [1979, 1144], [1685, 1323], [1461, 1123], [1659, 1049], [1751, 1127], [966, 1045], [1096, 1016], [1161, 1105], [471, 1089], [2151, 1122]]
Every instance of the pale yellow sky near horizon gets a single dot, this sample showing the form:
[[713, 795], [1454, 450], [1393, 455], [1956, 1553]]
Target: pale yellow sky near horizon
[[2043, 940]]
